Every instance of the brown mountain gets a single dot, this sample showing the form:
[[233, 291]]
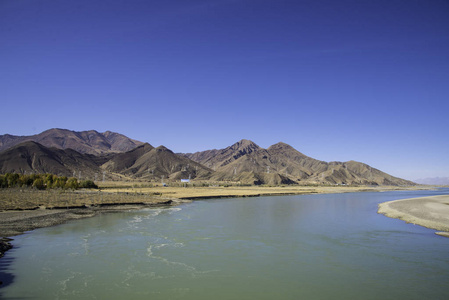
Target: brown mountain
[[145, 162], [219, 158], [148, 162], [245, 161], [32, 157], [91, 141]]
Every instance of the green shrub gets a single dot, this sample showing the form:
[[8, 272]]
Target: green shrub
[[26, 180], [3, 182], [49, 179], [12, 179], [88, 184], [59, 182], [72, 183], [39, 184]]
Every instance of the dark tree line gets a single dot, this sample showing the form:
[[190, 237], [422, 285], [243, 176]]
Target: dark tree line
[[44, 181]]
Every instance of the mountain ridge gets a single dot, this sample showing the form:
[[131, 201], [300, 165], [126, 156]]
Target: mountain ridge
[[150, 163], [244, 161], [433, 181], [32, 157], [90, 141]]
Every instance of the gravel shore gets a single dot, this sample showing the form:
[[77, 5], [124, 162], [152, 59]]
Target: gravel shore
[[431, 212]]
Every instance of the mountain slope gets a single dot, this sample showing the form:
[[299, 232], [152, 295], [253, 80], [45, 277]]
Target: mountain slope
[[148, 162], [33, 157], [123, 161], [219, 158], [145, 162], [245, 161], [91, 141]]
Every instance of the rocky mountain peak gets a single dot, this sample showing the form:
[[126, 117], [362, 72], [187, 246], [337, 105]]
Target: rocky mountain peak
[[162, 149], [280, 146], [245, 146], [284, 149]]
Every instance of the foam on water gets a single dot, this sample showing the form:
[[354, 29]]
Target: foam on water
[[63, 283], [150, 251], [136, 219], [86, 243]]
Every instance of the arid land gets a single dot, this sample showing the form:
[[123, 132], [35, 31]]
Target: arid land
[[431, 212]]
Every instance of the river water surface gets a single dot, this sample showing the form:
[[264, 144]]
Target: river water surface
[[332, 246]]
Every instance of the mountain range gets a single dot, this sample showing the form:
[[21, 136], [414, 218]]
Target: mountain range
[[90, 153], [282, 164], [433, 180], [90, 141]]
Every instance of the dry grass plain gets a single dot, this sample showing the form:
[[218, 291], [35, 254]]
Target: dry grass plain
[[116, 193], [214, 191]]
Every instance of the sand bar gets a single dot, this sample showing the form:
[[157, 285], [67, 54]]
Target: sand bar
[[431, 212]]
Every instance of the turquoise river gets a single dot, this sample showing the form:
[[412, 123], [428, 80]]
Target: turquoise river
[[324, 246]]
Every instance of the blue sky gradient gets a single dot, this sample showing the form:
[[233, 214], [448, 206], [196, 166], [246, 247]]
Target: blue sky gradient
[[337, 80]]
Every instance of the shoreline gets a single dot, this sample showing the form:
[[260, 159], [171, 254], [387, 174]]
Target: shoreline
[[19, 220], [431, 212]]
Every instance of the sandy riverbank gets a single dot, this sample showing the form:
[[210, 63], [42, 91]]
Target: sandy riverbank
[[431, 212]]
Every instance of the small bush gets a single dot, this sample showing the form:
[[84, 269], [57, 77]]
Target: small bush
[[72, 183], [3, 182], [88, 184], [12, 179], [39, 184]]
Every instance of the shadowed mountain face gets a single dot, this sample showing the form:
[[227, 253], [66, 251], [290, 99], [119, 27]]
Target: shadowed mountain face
[[145, 162], [30, 157], [154, 163], [91, 142], [245, 161]]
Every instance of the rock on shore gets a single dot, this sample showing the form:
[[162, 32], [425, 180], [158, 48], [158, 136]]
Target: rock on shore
[[5, 245]]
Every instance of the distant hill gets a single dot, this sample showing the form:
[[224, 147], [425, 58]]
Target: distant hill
[[245, 161], [31, 157], [433, 181], [148, 162], [91, 142]]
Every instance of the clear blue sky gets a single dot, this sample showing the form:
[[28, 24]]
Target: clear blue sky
[[337, 80]]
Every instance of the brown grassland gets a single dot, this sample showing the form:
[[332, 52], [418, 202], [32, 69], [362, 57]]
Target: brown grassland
[[116, 193]]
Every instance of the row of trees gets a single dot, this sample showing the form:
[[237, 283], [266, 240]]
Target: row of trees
[[43, 181]]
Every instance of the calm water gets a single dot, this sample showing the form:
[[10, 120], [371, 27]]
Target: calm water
[[291, 247]]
